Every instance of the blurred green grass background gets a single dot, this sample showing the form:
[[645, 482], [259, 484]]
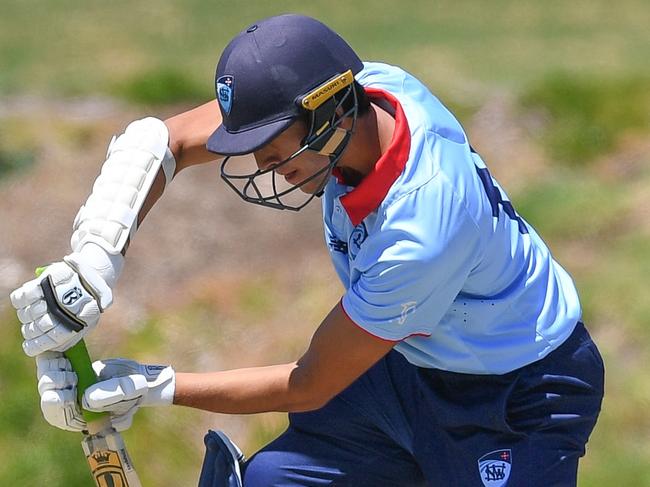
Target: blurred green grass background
[[577, 73]]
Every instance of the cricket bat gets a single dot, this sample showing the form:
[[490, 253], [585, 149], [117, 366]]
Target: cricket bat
[[110, 464]]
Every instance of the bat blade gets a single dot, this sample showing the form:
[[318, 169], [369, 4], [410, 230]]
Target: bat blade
[[110, 464], [108, 459]]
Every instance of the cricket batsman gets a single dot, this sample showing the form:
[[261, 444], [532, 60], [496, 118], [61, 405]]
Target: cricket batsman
[[456, 355]]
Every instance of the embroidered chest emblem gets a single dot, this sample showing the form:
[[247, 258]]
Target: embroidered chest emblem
[[357, 237]]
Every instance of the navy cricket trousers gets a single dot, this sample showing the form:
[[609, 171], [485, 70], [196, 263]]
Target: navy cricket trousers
[[401, 425]]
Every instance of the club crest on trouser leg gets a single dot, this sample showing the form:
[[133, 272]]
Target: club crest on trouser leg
[[225, 87], [494, 468]]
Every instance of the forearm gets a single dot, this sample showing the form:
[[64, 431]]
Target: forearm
[[338, 354], [247, 391]]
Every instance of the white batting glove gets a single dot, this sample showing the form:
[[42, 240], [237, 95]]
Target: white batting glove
[[57, 386], [126, 385], [58, 308]]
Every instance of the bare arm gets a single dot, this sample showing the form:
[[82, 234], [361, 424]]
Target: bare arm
[[188, 134], [339, 353]]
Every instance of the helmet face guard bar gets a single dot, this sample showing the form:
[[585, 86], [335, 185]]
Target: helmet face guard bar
[[325, 137]]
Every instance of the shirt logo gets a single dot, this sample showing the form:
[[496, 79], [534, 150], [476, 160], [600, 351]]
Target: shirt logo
[[225, 87], [358, 236], [494, 468], [407, 308], [338, 245]]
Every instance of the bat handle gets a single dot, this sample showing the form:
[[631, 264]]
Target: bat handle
[[86, 377], [82, 365]]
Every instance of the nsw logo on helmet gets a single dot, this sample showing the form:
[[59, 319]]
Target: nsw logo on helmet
[[225, 87]]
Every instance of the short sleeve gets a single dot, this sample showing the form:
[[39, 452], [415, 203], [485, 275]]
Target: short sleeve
[[413, 264]]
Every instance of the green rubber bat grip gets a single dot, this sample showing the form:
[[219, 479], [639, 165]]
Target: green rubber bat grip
[[82, 365]]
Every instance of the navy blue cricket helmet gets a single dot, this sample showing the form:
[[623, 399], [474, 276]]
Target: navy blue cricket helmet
[[273, 73]]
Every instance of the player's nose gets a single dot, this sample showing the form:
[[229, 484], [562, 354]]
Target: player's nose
[[264, 161]]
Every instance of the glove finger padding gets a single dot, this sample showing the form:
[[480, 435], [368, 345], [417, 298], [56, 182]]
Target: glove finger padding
[[55, 374], [37, 328], [26, 295], [118, 394], [59, 307], [33, 311], [57, 386], [49, 361], [60, 409], [57, 380], [126, 383], [54, 341]]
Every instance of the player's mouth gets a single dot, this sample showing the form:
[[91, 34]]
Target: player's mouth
[[291, 177]]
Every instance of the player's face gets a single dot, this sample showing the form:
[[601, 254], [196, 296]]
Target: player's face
[[299, 169]]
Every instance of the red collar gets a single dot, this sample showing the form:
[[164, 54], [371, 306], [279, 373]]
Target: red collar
[[367, 196]]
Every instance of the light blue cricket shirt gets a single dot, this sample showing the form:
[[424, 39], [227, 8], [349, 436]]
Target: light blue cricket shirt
[[433, 255]]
